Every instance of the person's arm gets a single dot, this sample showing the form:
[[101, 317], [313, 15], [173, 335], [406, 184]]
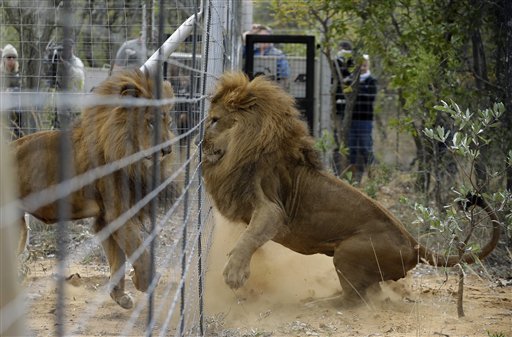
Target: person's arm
[[283, 68], [372, 89]]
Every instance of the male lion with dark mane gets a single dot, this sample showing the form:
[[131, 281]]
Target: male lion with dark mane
[[261, 168], [104, 134]]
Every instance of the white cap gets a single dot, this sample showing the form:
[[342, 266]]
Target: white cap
[[9, 50]]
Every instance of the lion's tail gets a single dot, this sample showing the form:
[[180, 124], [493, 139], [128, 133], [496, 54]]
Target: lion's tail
[[435, 259]]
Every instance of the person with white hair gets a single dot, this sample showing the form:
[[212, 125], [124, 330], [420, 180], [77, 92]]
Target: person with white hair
[[10, 81], [9, 69], [65, 73]]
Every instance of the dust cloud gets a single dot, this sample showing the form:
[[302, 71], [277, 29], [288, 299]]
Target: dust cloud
[[280, 280]]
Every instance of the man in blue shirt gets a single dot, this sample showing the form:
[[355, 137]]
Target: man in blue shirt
[[282, 72]]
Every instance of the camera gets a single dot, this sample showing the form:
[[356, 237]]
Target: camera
[[53, 63], [345, 64], [52, 58]]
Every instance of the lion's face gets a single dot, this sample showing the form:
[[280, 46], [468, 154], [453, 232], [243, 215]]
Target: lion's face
[[152, 122], [217, 132], [247, 120]]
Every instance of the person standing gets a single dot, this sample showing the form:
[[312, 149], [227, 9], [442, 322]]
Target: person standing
[[10, 81], [9, 69], [67, 75], [71, 73], [360, 139], [282, 73], [343, 65]]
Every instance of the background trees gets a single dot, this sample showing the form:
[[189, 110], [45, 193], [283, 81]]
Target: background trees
[[97, 27], [427, 51]]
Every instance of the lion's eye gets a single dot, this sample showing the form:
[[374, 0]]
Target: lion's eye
[[214, 121], [150, 125]]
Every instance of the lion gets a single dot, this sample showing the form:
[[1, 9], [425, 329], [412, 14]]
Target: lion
[[103, 134], [260, 167]]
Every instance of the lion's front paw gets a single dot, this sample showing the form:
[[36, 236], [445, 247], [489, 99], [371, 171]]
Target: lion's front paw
[[236, 272], [120, 297]]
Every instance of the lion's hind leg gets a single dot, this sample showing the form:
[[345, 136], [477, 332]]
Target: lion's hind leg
[[357, 268], [363, 261], [116, 260]]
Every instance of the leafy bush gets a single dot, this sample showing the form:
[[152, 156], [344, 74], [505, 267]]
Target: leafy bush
[[464, 228]]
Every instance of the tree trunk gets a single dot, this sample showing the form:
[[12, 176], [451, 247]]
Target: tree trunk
[[344, 130], [337, 123], [481, 78], [342, 127], [506, 25], [88, 35], [479, 62], [423, 178]]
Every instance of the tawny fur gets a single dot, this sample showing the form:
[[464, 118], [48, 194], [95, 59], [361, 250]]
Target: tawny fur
[[260, 167], [103, 134]]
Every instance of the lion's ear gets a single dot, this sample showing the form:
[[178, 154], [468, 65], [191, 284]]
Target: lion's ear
[[249, 101], [130, 90], [240, 98]]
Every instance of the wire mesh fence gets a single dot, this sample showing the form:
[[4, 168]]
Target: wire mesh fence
[[120, 218], [101, 159]]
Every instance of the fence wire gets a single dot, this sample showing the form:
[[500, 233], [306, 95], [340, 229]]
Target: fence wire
[[67, 281], [64, 52]]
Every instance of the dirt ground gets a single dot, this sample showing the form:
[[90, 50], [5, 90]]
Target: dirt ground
[[287, 295], [294, 295]]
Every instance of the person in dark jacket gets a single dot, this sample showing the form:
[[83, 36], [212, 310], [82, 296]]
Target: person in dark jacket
[[360, 140]]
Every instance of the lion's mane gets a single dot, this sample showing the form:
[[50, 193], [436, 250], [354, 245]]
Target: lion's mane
[[274, 129], [111, 134], [269, 136]]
